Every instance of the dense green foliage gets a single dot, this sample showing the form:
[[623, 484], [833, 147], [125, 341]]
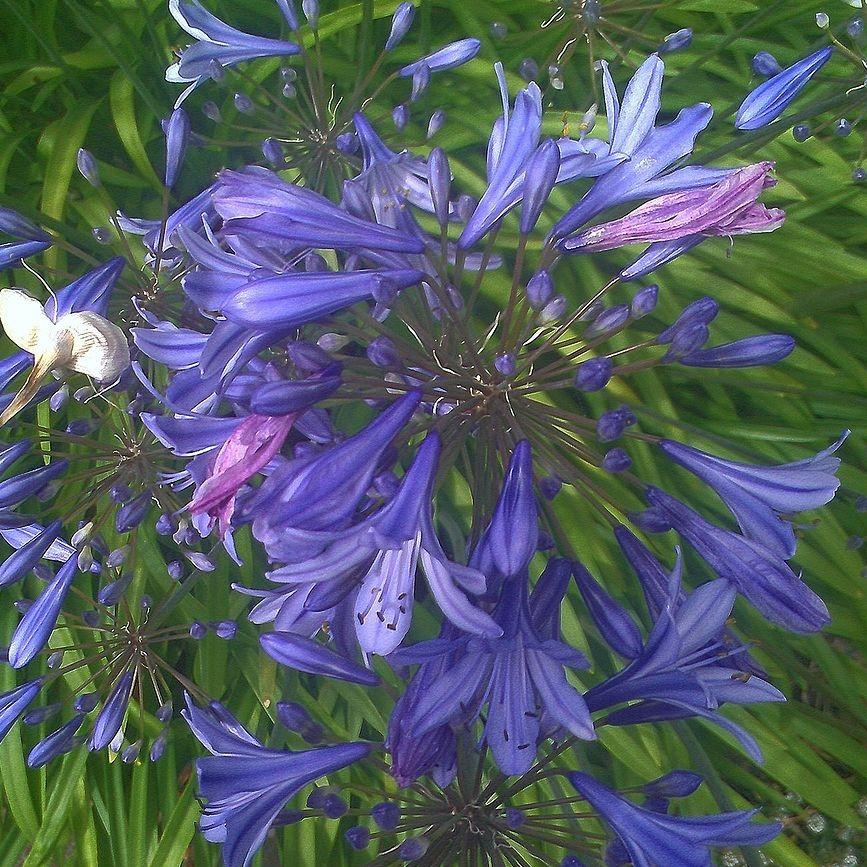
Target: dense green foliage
[[90, 71]]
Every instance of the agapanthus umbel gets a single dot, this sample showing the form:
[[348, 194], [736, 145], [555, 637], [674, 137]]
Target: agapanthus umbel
[[334, 391]]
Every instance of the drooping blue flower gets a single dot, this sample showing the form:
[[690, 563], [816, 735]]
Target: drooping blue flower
[[14, 702], [111, 715], [681, 670], [758, 496], [177, 138], [519, 677], [771, 98], [653, 838], [29, 238], [647, 151], [305, 654], [759, 573], [217, 43], [56, 744], [245, 785]]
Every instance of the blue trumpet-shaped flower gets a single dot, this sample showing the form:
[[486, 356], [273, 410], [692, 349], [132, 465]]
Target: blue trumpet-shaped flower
[[648, 151], [757, 495], [245, 786], [684, 668], [771, 98], [652, 838], [758, 572], [520, 677], [377, 560], [217, 45]]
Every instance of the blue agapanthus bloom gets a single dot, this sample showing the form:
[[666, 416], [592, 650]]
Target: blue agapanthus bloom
[[320, 394]]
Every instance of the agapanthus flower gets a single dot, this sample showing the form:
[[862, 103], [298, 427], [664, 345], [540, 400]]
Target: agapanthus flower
[[322, 393]]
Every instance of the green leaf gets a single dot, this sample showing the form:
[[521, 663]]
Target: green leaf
[[178, 832]]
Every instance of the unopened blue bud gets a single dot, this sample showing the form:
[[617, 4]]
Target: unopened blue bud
[[101, 235], [88, 167], [764, 63], [310, 8], [200, 561], [616, 461], [801, 132], [243, 103], [842, 127], [382, 352], [435, 124], [412, 848], [528, 69], [112, 593], [55, 660], [347, 143], [676, 41], [158, 747], [177, 139], [553, 310], [38, 715], [499, 30], [540, 290], [130, 753], [164, 712], [506, 364], [651, 520], [550, 486], [358, 837], [272, 150], [120, 492], [608, 321], [545, 541], [92, 618], [855, 28], [215, 70], [611, 424], [644, 301], [515, 818], [289, 90], [59, 399], [400, 23], [198, 630], [334, 806], [117, 557], [226, 629], [211, 111], [87, 702], [859, 175], [400, 116], [591, 11], [440, 178], [386, 815], [593, 374], [287, 7], [133, 513], [420, 81]]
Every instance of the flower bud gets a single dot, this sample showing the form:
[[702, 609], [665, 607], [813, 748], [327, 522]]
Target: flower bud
[[310, 8], [616, 461], [437, 119], [764, 63], [676, 41], [644, 301], [611, 424], [528, 69], [272, 150], [440, 178], [177, 139], [386, 815], [506, 364], [539, 179], [87, 167], [400, 116], [553, 310], [211, 111], [401, 21], [593, 374], [420, 82], [358, 837], [608, 321], [243, 103], [540, 289]]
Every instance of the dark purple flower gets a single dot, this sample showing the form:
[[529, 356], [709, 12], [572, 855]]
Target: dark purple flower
[[747, 352]]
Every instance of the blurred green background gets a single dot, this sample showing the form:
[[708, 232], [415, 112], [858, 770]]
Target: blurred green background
[[90, 72]]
